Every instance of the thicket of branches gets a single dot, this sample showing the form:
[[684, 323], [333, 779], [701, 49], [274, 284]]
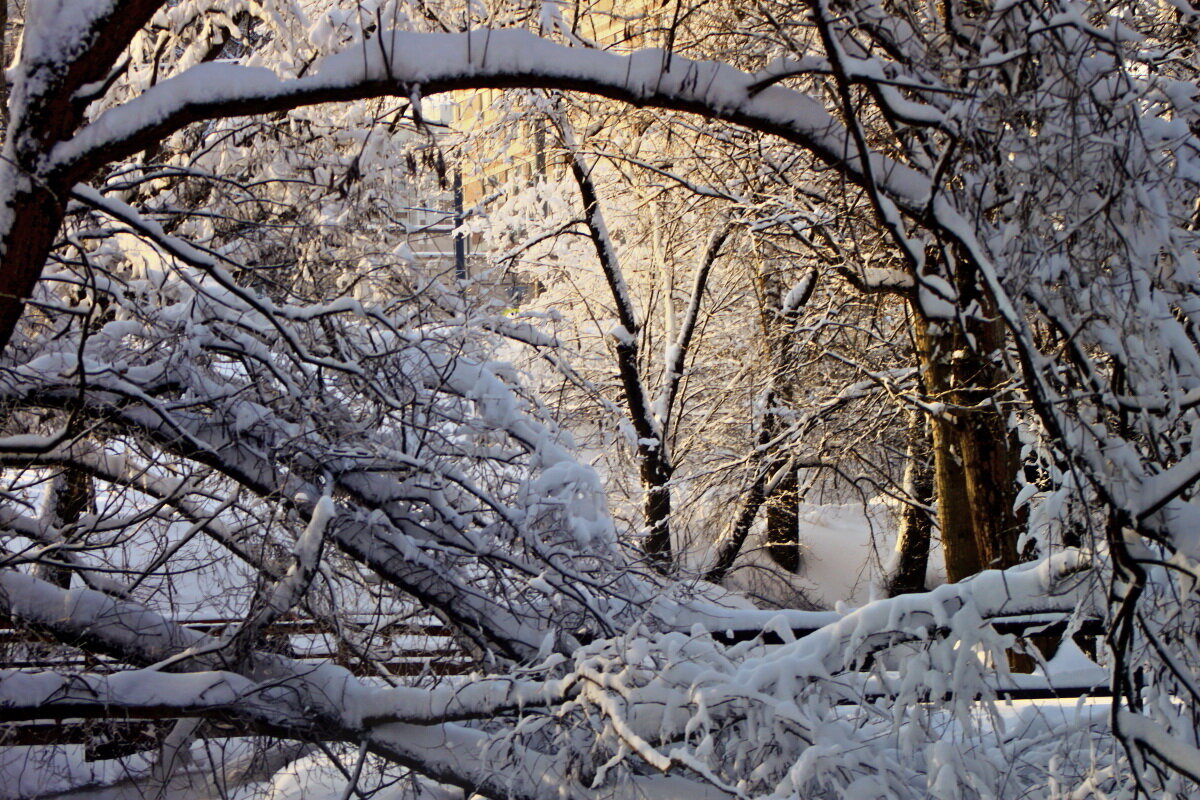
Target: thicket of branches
[[226, 374]]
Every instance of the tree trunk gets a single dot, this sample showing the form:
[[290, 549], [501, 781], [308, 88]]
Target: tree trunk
[[656, 476], [783, 522], [990, 461], [778, 323], [23, 248], [915, 525], [68, 496], [3, 64], [728, 550], [974, 461], [933, 347], [51, 110]]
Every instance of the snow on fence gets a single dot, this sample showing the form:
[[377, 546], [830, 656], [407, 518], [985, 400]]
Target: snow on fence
[[404, 649], [427, 648]]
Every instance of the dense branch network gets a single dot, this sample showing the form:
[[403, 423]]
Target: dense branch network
[[216, 407]]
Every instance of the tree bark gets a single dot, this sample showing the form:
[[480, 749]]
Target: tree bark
[[974, 460], [730, 547], [782, 514], [783, 523], [3, 65], [68, 496], [656, 476], [915, 525], [40, 210], [933, 348], [654, 462], [990, 461]]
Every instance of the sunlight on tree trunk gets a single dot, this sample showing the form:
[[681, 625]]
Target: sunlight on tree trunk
[[783, 522], [933, 348], [782, 502]]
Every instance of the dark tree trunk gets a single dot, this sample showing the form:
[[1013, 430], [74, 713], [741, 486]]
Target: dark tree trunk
[[915, 525], [731, 546], [3, 63], [782, 499], [783, 522], [52, 108], [782, 512], [656, 476], [68, 496], [39, 212], [990, 460]]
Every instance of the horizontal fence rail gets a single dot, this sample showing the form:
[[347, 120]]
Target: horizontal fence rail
[[412, 649]]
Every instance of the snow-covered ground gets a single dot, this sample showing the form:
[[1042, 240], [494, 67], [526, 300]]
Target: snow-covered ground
[[214, 770], [313, 777], [847, 549]]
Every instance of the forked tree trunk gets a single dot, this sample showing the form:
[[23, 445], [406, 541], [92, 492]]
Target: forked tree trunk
[[975, 462], [730, 547], [778, 320], [934, 348], [52, 108]]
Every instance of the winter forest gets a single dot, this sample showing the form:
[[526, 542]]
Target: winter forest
[[546, 399]]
